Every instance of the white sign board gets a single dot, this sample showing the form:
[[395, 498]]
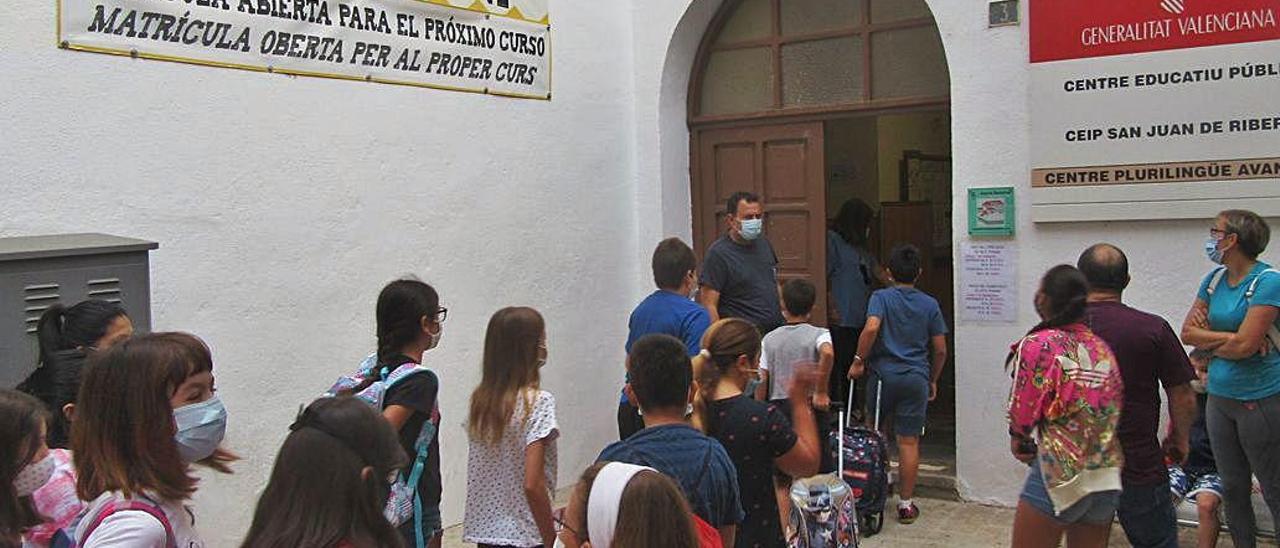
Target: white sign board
[[988, 282], [490, 47], [1154, 101]]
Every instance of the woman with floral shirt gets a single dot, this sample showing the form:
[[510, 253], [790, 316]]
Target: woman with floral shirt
[[1063, 412]]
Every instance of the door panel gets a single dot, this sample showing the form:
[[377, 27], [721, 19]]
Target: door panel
[[783, 164], [910, 223]]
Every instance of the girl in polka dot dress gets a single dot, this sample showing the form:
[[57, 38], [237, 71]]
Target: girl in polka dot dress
[[511, 461], [757, 435]]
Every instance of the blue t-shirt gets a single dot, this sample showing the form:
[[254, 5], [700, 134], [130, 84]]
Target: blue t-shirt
[[852, 272], [698, 463], [909, 318], [668, 313], [1257, 376]]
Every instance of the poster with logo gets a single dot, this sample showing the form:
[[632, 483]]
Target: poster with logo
[[1154, 100], [498, 47]]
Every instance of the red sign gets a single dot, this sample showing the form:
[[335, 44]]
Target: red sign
[[1077, 29]]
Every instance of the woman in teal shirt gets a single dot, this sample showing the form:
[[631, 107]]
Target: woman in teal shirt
[[1234, 316]]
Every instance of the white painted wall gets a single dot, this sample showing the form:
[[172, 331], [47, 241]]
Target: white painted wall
[[283, 204], [989, 135]]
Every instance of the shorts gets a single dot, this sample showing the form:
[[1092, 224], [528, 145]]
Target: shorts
[[431, 526], [904, 398], [1186, 485], [1094, 509]]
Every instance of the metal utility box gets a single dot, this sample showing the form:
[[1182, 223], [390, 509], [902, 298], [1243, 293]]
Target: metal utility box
[[37, 272]]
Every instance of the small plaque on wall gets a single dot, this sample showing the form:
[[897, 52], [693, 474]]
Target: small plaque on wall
[[991, 211]]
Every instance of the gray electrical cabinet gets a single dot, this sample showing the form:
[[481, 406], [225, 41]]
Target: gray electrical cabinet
[[37, 272]]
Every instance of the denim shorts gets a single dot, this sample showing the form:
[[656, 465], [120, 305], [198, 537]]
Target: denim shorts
[[1186, 485], [1094, 508], [904, 397]]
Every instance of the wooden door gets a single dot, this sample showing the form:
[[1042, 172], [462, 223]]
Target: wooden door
[[909, 223], [784, 165]]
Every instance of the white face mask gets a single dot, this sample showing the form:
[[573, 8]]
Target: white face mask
[[435, 337], [34, 476]]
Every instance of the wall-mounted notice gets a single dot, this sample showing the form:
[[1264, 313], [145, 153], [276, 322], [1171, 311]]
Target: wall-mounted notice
[[988, 282], [500, 47], [1148, 100]]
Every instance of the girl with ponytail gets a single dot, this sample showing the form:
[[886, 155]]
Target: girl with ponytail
[[758, 437], [67, 336], [1064, 407], [410, 324]]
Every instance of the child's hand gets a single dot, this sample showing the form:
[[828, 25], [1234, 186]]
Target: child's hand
[[821, 401]]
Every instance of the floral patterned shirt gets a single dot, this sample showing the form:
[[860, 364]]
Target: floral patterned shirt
[[1068, 390]]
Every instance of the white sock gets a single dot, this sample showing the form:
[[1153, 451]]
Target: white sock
[[904, 503]]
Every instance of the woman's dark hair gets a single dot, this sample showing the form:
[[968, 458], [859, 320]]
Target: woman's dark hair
[[401, 306], [1066, 293], [852, 222], [318, 494], [79, 326], [60, 332], [123, 435], [20, 418]]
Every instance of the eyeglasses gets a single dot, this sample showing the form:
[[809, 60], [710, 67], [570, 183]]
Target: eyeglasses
[[558, 517], [442, 315]]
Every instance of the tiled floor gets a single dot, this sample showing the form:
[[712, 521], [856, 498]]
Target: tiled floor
[[943, 524]]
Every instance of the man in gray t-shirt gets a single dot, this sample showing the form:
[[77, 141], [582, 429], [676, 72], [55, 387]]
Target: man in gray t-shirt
[[740, 272]]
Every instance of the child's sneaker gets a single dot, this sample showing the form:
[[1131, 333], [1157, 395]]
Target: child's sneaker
[[908, 514]]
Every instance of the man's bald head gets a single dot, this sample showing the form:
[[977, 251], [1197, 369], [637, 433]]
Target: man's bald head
[[1106, 268]]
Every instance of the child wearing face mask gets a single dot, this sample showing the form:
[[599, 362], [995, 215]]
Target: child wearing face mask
[[146, 412], [410, 323], [336, 446], [25, 464], [511, 459], [759, 437]]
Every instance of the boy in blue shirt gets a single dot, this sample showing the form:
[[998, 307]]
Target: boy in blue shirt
[[667, 311], [903, 325]]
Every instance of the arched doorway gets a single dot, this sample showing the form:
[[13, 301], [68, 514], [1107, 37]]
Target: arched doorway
[[810, 103]]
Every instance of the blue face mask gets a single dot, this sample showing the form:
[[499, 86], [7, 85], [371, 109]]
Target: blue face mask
[[1211, 250], [201, 427], [752, 228]]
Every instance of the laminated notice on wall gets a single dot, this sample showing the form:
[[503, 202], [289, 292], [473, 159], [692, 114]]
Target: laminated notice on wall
[[988, 282], [500, 47]]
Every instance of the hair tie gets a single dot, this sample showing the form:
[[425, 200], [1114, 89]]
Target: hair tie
[[606, 498], [706, 354]]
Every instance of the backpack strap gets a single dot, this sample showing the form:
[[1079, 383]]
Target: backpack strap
[[1215, 279], [149, 507], [1273, 333], [422, 449]]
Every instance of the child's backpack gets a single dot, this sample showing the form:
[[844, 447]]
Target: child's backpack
[[865, 467], [66, 538], [824, 512], [370, 383]]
